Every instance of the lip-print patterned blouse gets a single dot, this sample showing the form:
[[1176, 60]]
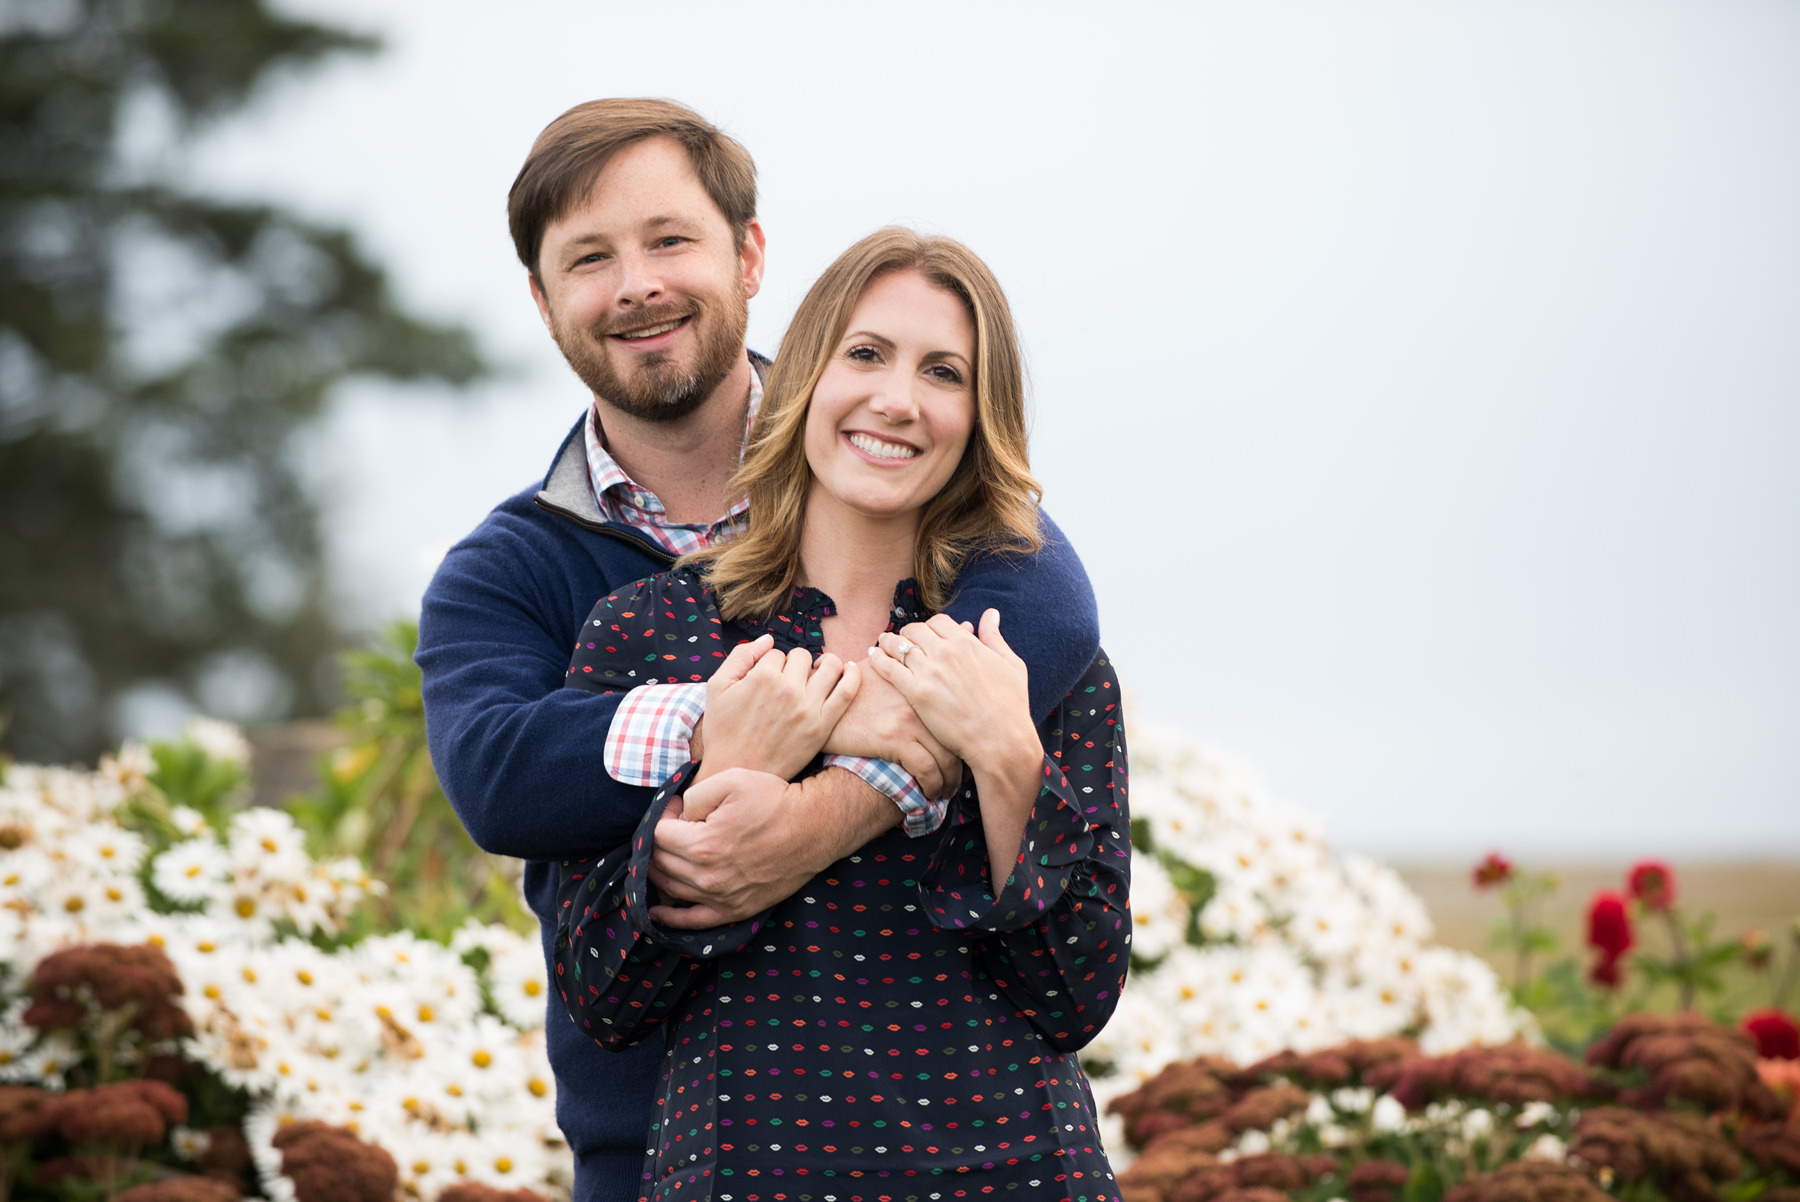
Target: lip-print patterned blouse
[[894, 1031]]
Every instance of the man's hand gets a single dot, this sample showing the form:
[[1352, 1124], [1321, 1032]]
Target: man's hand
[[742, 841], [771, 712], [881, 725]]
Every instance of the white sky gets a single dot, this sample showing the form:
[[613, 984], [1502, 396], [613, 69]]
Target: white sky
[[1420, 382]]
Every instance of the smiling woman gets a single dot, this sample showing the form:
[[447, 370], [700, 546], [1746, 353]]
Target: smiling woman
[[935, 984]]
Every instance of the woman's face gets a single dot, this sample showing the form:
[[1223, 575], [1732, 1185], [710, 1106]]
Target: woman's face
[[893, 410]]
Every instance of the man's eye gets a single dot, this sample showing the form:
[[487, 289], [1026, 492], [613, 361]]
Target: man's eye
[[671, 240]]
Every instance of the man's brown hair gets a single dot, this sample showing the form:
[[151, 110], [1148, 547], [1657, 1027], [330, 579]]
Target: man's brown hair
[[573, 149]]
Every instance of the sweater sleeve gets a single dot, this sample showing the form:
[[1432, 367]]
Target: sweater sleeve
[[1047, 612], [519, 756], [1057, 938]]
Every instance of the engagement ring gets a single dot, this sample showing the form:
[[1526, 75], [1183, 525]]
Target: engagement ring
[[901, 650]]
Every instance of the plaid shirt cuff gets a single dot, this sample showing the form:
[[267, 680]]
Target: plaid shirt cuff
[[919, 813], [648, 740]]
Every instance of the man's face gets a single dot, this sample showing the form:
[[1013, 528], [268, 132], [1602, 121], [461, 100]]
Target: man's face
[[641, 286]]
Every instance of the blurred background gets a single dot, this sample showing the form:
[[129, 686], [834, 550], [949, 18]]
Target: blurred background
[[1420, 383]]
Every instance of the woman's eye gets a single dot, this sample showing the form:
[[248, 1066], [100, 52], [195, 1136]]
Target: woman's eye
[[863, 354], [946, 373]]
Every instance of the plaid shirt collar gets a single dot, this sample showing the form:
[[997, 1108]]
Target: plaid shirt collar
[[622, 499]]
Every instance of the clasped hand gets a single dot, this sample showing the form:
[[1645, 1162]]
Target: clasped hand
[[771, 712]]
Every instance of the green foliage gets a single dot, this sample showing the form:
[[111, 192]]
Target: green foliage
[[159, 354], [382, 803]]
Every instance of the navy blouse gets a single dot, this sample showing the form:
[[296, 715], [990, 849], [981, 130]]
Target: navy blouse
[[894, 1031]]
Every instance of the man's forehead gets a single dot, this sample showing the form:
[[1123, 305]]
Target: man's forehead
[[647, 182]]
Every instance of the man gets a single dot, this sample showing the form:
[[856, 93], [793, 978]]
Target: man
[[636, 223]]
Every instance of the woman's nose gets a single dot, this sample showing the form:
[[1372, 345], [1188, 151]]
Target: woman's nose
[[893, 398]]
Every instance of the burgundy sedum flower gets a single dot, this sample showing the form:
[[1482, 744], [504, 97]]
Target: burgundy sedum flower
[[1776, 1034], [1652, 883], [1495, 870]]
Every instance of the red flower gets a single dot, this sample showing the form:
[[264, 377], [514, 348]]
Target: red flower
[[1495, 870], [1609, 926], [1777, 1036], [1653, 885], [1606, 972]]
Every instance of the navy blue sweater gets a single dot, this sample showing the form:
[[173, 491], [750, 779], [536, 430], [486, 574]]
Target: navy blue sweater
[[520, 756]]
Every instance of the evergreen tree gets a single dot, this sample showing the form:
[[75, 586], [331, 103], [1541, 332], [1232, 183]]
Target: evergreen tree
[[159, 353]]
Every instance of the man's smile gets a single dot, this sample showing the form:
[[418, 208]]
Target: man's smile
[[651, 331]]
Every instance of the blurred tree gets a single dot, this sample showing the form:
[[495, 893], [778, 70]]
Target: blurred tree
[[159, 353]]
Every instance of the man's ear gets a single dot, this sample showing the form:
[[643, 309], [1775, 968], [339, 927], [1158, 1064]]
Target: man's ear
[[543, 304], [751, 257]]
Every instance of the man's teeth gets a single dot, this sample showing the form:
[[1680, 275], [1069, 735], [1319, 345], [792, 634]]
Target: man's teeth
[[652, 331], [881, 450]]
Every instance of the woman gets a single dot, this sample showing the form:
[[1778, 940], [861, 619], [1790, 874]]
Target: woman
[[900, 1028]]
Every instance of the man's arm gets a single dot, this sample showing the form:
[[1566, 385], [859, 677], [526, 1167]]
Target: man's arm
[[520, 757], [762, 839], [1047, 607]]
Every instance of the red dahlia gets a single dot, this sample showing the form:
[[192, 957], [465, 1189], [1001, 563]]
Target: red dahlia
[[1495, 870], [1609, 926], [1653, 885], [1777, 1036]]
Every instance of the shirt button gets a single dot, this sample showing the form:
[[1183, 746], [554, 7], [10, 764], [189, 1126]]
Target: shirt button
[[898, 612]]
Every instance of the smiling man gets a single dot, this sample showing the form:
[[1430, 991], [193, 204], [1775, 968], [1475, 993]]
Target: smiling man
[[636, 223]]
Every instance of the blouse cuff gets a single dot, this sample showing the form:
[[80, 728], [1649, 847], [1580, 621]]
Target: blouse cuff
[[704, 944], [958, 888]]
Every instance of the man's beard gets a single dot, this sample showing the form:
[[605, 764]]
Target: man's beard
[[661, 390]]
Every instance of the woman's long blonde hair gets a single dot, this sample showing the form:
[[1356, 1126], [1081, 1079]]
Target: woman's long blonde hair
[[990, 501]]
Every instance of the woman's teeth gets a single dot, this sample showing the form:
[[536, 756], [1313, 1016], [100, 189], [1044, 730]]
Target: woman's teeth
[[881, 450]]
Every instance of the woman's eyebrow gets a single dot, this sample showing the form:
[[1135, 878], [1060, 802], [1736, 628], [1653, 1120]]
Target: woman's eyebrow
[[936, 356], [871, 335]]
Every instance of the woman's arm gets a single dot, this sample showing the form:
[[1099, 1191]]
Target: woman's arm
[[618, 971], [1057, 923]]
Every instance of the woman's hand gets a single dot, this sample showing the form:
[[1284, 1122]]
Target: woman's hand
[[970, 691], [967, 687], [771, 712]]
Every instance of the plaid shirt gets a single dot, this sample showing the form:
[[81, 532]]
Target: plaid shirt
[[649, 739]]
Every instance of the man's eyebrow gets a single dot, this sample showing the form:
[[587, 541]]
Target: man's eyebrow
[[655, 223]]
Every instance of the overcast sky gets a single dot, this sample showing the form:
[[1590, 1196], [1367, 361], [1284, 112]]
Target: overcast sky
[[1420, 382]]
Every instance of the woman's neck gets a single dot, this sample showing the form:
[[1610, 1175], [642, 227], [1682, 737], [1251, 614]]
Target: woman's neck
[[857, 561]]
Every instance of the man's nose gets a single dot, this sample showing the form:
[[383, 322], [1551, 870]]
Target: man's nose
[[639, 281]]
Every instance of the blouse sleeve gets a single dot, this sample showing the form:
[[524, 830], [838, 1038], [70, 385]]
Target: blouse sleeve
[[1057, 938], [619, 972]]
